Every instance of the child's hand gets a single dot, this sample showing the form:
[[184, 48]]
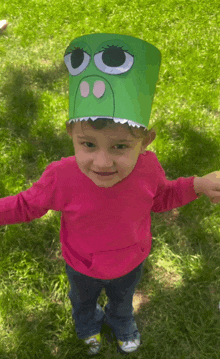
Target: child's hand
[[209, 185]]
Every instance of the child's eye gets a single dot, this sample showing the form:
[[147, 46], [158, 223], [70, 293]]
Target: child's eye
[[116, 145]]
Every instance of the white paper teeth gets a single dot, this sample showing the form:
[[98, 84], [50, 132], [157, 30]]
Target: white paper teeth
[[116, 120]]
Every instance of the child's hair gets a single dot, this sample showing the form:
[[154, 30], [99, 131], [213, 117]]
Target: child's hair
[[101, 123]]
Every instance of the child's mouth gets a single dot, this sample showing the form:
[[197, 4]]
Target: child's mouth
[[105, 173]]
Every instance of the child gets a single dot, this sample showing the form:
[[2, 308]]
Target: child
[[108, 189]]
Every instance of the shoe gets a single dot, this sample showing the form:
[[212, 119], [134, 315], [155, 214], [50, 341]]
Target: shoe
[[94, 343], [129, 346], [3, 24]]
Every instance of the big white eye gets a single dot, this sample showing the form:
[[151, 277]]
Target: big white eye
[[77, 61], [114, 60]]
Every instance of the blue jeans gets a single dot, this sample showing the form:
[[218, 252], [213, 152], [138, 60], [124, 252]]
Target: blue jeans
[[88, 314]]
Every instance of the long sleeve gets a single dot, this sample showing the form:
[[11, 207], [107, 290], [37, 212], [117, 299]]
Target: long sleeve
[[32, 203], [173, 194]]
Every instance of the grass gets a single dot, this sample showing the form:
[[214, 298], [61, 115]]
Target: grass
[[180, 318]]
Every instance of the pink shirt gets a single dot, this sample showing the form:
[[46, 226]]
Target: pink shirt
[[105, 232]]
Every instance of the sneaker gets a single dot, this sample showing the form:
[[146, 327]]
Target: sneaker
[[129, 346], [94, 343]]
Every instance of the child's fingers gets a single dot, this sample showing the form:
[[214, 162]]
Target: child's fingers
[[215, 200]]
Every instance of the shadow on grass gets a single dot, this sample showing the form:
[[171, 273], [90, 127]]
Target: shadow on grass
[[179, 322], [179, 318], [22, 91]]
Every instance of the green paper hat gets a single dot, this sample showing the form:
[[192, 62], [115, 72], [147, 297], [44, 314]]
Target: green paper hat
[[112, 76]]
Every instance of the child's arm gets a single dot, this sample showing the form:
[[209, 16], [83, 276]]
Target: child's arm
[[34, 202], [16, 209], [179, 192]]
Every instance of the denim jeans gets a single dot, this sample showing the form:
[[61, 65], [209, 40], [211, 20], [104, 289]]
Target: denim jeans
[[88, 314]]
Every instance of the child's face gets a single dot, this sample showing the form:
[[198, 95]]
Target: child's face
[[102, 151]]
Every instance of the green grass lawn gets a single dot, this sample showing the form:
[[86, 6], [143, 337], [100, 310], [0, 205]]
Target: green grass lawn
[[181, 280]]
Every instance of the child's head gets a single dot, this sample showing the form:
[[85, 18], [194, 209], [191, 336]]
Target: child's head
[[100, 149]]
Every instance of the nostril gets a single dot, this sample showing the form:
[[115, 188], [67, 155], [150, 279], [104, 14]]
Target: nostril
[[99, 89], [84, 89]]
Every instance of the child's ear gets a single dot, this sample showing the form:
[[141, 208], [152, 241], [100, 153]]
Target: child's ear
[[69, 129], [151, 135]]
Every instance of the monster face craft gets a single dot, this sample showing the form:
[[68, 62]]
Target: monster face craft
[[112, 76]]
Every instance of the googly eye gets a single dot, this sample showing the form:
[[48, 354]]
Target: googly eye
[[77, 61], [114, 61]]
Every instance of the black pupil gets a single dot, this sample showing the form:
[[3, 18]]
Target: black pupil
[[112, 57], [77, 57]]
